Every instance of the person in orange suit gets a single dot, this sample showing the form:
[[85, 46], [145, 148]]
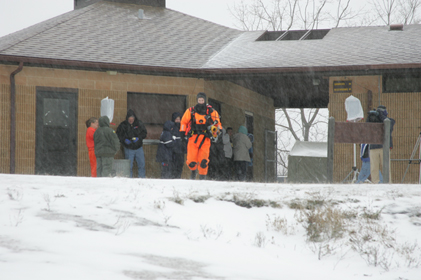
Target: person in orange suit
[[92, 125], [199, 123]]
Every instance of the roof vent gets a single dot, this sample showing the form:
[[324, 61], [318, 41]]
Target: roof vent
[[141, 14], [396, 27]]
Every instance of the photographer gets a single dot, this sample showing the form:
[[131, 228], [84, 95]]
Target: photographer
[[376, 150]]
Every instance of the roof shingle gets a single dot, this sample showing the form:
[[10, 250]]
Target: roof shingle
[[107, 32]]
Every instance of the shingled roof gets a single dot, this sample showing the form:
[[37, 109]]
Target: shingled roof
[[350, 47], [108, 32], [113, 34]]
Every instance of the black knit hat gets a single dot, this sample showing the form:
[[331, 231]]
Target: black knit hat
[[201, 95]]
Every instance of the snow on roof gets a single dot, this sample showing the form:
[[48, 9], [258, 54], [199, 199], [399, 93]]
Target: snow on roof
[[309, 149]]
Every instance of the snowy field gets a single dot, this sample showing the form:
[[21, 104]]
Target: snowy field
[[120, 228]]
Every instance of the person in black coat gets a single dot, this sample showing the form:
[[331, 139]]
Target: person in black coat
[[216, 160], [164, 155], [179, 148], [131, 133]]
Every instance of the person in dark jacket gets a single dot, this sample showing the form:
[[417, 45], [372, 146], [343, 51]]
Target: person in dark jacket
[[164, 155], [216, 159], [106, 145], [376, 151], [179, 148], [131, 133], [229, 154]]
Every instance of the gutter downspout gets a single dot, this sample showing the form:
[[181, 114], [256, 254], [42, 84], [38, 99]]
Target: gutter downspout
[[13, 118]]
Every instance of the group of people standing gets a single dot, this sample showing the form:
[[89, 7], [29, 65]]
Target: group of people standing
[[103, 143], [198, 132], [231, 155]]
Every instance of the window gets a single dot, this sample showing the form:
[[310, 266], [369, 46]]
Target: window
[[249, 122], [402, 82], [215, 105], [270, 35], [314, 34], [155, 109], [292, 35]]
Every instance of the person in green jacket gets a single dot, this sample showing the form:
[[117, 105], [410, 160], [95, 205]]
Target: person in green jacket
[[106, 146]]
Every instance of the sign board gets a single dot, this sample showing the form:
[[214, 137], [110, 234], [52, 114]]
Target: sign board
[[342, 86], [349, 132]]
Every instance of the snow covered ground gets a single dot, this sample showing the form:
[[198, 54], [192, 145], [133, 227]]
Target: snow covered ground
[[119, 228]]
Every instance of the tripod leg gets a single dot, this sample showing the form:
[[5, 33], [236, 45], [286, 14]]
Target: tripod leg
[[349, 174], [355, 176], [419, 158], [354, 167], [412, 157]]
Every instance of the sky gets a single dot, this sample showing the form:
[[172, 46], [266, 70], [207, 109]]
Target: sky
[[18, 14], [68, 228]]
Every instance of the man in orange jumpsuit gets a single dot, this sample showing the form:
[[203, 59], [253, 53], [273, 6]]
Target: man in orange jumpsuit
[[197, 124], [92, 125]]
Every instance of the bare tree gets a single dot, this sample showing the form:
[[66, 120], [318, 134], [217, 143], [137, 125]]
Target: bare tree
[[396, 11], [265, 15], [344, 13], [287, 14], [311, 12], [298, 125], [384, 9], [410, 11]]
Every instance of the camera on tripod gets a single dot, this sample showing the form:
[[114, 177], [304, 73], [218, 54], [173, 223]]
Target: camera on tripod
[[377, 115]]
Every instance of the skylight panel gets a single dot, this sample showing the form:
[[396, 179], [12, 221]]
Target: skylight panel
[[293, 35]]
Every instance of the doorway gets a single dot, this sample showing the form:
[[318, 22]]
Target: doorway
[[250, 130], [56, 132]]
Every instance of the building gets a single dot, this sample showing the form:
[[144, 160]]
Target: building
[[147, 58], [155, 60]]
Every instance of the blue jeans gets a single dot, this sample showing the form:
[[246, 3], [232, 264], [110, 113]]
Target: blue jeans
[[365, 172], [139, 156]]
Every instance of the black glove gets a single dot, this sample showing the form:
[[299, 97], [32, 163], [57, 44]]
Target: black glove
[[183, 139]]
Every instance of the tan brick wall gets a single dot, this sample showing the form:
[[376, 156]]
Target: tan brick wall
[[47, 77], [405, 108], [4, 127], [92, 87], [25, 129]]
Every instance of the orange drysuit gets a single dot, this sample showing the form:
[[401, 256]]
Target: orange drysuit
[[199, 137], [91, 150]]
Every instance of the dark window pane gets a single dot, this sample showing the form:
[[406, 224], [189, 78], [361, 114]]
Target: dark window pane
[[402, 83], [56, 112], [155, 109]]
